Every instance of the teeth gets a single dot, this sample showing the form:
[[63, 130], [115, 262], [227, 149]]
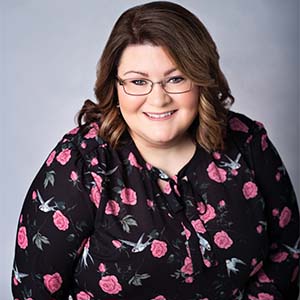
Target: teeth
[[160, 116]]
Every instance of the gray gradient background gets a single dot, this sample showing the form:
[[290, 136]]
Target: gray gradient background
[[49, 51]]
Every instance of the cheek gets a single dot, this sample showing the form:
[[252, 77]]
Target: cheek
[[129, 104], [191, 102]]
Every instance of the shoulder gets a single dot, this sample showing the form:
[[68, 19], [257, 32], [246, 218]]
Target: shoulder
[[242, 127], [77, 143], [84, 138], [242, 123]]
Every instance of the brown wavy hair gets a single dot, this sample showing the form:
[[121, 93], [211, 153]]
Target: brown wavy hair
[[182, 34]]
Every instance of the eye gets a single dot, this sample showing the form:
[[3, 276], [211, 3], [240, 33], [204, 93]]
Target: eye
[[138, 81], [175, 79]]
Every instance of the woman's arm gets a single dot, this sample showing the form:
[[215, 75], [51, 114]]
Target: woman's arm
[[56, 219], [279, 276]]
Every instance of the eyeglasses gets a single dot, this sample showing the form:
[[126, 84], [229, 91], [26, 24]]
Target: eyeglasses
[[141, 86]]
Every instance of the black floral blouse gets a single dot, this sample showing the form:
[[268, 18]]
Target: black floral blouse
[[95, 224]]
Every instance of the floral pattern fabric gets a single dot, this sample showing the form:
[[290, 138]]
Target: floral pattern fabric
[[96, 224]]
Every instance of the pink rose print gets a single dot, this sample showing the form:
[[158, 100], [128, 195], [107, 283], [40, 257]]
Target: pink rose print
[[285, 217], [94, 161], [275, 212], [278, 176], [259, 229], [175, 178], [15, 281], [259, 124], [167, 188], [234, 172], [150, 203], [159, 297], [102, 268], [186, 231], [207, 262], [222, 240], [253, 262], [74, 176], [117, 244], [264, 143], [64, 156], [209, 214], [198, 226], [110, 284], [189, 279], [201, 207], [53, 282], [263, 278], [60, 221], [250, 190], [265, 296], [133, 161], [95, 196], [222, 203], [158, 248], [84, 296], [22, 237], [187, 268], [215, 173], [279, 257], [50, 158], [216, 155], [21, 219], [93, 132], [34, 195], [83, 145], [74, 130], [98, 180], [128, 196], [237, 125], [112, 208]]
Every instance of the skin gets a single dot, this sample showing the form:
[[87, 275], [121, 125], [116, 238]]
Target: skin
[[163, 143]]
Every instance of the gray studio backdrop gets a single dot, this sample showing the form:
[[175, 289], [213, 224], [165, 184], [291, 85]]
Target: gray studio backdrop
[[49, 51]]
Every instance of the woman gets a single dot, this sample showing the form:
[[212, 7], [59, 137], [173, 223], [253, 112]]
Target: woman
[[161, 192]]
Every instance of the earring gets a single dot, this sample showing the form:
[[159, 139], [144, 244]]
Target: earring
[[118, 105]]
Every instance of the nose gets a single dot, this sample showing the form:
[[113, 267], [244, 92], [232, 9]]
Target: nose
[[158, 96]]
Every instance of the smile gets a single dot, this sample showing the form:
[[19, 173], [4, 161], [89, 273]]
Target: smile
[[160, 116]]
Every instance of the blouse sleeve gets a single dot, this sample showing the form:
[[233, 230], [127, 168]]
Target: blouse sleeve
[[56, 219], [278, 278]]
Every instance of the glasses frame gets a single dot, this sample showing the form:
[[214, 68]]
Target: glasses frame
[[161, 83]]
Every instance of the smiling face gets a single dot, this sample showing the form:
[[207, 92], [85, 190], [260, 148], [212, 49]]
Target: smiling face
[[158, 119]]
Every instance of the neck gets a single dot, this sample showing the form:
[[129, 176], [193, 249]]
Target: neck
[[170, 158]]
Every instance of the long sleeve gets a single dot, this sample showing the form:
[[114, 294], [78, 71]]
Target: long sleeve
[[279, 275], [56, 220]]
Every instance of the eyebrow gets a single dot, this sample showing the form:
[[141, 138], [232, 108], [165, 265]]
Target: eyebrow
[[147, 75]]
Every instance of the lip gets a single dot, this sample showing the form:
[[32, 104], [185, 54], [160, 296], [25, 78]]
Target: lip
[[154, 116]]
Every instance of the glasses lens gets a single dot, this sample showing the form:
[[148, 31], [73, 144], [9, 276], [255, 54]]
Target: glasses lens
[[177, 85], [137, 86], [172, 85]]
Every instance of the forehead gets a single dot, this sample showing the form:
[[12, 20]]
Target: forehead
[[145, 58]]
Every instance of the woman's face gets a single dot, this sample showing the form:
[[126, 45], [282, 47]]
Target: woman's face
[[158, 119]]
